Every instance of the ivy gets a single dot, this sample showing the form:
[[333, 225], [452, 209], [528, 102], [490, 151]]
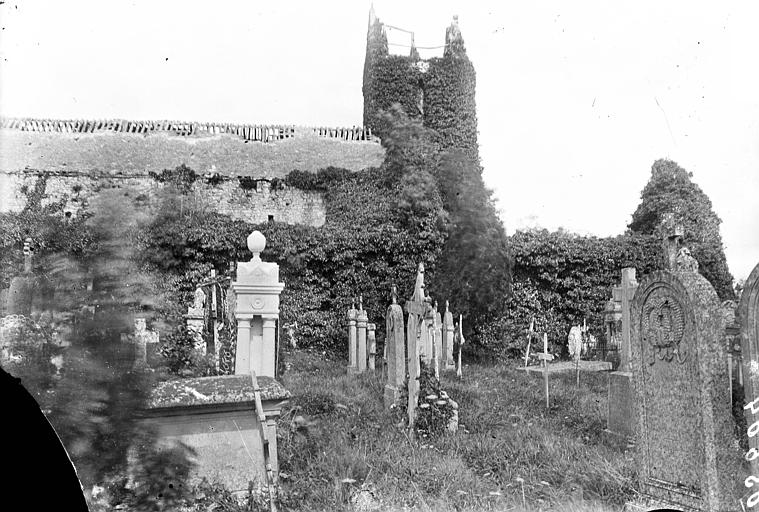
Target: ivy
[[182, 177]]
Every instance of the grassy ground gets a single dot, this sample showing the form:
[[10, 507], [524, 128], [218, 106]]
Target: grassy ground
[[509, 454]]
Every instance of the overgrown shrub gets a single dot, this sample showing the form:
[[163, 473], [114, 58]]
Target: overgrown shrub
[[182, 177]]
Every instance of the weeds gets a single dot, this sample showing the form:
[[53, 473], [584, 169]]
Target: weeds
[[507, 445]]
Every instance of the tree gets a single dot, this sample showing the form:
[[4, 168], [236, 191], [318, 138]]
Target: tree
[[670, 190], [474, 269]]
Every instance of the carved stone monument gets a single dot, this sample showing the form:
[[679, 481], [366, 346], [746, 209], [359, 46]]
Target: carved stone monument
[[257, 290], [748, 316], [352, 346], [361, 322], [230, 421], [684, 451], [418, 309], [395, 350], [371, 343], [448, 339], [620, 418]]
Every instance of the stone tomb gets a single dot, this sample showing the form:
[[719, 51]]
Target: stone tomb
[[684, 442], [216, 416]]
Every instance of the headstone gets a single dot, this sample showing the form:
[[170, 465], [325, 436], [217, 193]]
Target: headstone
[[684, 451], [257, 290], [195, 319], [352, 346], [395, 349], [416, 308], [748, 317], [371, 341], [21, 289], [620, 417], [448, 339], [142, 338], [439, 354], [574, 342], [361, 321]]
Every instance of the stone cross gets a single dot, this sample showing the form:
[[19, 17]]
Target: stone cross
[[545, 357], [395, 350], [672, 234], [361, 322], [628, 287], [352, 353], [417, 309]]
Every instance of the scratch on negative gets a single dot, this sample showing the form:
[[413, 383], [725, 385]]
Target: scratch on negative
[[243, 441]]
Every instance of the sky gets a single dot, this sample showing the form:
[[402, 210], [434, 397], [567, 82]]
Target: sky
[[575, 100]]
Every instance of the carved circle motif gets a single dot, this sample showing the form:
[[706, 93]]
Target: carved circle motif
[[662, 326], [258, 303]]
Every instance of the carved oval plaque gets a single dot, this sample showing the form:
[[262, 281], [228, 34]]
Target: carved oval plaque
[[662, 326]]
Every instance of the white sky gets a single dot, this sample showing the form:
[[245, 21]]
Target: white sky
[[575, 99]]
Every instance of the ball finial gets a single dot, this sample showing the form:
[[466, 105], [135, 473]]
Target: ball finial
[[256, 244]]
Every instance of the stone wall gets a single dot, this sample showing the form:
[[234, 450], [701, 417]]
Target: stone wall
[[226, 154], [76, 191]]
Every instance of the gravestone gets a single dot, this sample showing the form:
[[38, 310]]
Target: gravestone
[[684, 450], [195, 319], [257, 290], [620, 417], [371, 343], [361, 321], [748, 316], [352, 346], [448, 339], [417, 309], [395, 350], [574, 342], [230, 421], [439, 354]]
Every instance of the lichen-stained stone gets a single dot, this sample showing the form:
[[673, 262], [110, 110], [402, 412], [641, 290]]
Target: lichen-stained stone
[[685, 452], [216, 417], [748, 316]]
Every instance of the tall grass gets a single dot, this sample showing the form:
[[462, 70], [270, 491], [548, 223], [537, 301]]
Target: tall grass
[[509, 453]]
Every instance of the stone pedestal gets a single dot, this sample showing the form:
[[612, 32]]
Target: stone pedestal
[[620, 419], [257, 290], [352, 340], [216, 416]]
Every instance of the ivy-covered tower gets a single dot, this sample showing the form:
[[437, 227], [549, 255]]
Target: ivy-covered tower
[[440, 91]]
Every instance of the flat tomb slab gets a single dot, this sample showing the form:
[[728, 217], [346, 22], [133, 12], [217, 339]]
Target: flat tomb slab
[[571, 366], [216, 417]]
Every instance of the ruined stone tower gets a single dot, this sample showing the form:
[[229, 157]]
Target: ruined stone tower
[[439, 91]]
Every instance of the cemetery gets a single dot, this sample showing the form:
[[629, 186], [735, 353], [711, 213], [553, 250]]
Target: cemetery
[[385, 347]]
